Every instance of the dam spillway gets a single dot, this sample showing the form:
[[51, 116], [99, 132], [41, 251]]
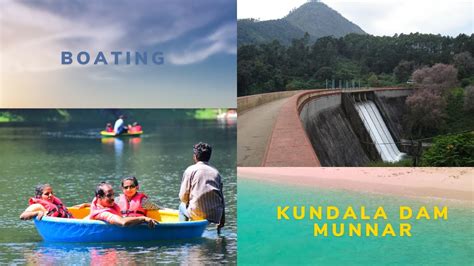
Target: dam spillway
[[338, 134], [378, 131]]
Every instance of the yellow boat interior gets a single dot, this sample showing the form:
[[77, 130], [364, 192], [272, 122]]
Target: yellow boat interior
[[166, 215]]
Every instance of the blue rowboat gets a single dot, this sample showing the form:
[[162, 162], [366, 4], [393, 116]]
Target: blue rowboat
[[54, 229]]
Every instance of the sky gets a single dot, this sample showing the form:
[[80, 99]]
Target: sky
[[380, 17], [197, 38]]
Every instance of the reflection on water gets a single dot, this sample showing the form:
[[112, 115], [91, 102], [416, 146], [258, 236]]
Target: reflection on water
[[196, 251], [75, 158]]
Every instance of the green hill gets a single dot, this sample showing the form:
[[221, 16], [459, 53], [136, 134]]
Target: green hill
[[316, 18]]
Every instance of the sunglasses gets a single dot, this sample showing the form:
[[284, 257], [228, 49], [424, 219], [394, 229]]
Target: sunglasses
[[48, 193], [131, 186], [110, 195]]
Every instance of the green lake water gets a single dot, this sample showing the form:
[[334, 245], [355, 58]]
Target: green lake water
[[74, 159], [263, 239]]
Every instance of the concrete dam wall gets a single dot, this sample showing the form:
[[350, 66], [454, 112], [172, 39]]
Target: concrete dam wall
[[392, 106], [342, 136], [331, 134]]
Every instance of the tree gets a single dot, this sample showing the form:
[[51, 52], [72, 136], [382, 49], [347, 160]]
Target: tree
[[373, 80], [464, 63], [426, 112], [323, 74], [438, 78], [469, 99], [403, 70]]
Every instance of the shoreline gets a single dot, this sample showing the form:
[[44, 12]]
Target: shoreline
[[426, 182]]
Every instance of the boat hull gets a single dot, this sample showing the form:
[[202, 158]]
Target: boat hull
[[54, 229], [112, 134]]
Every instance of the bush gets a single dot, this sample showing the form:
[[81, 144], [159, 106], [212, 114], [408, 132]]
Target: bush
[[453, 150]]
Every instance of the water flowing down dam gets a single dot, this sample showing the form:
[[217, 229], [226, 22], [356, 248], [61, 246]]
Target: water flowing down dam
[[378, 131], [355, 128]]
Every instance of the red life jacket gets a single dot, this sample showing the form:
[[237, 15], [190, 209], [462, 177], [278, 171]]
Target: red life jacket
[[109, 129], [135, 129], [98, 209], [54, 209], [132, 208]]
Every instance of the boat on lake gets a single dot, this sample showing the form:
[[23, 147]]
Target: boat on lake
[[112, 134], [54, 229]]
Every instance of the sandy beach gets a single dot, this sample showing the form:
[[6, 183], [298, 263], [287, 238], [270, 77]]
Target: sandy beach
[[444, 183]]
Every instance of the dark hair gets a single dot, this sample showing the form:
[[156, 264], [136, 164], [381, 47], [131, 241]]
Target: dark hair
[[39, 189], [202, 151], [132, 178], [99, 192]]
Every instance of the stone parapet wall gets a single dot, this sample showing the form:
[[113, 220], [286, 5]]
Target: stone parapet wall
[[246, 103]]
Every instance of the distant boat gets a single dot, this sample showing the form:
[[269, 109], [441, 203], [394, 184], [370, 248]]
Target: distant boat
[[54, 229], [112, 134], [231, 114]]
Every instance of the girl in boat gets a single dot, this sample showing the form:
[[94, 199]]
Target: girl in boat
[[45, 203]]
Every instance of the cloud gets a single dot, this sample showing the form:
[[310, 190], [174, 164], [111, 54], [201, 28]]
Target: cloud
[[405, 16], [381, 17], [33, 38], [221, 41], [35, 32]]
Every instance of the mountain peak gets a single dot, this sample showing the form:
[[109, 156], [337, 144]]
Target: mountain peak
[[320, 20], [313, 17]]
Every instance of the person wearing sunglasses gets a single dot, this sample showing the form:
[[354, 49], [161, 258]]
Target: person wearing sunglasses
[[104, 208], [45, 203], [133, 203]]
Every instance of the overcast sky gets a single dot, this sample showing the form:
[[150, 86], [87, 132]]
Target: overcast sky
[[380, 17]]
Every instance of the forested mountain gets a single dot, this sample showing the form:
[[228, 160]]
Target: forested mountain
[[315, 18], [253, 31], [319, 20], [374, 60]]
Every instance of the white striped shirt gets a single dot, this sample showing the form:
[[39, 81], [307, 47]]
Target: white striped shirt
[[201, 191]]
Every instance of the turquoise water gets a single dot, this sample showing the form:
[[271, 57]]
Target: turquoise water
[[265, 240]]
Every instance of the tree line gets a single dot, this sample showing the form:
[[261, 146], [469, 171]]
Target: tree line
[[369, 60]]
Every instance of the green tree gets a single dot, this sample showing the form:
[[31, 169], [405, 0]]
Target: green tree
[[469, 99], [373, 80], [403, 70]]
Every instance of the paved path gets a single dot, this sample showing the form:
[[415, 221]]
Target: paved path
[[254, 129]]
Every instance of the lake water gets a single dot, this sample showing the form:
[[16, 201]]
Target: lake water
[[263, 239], [74, 159]]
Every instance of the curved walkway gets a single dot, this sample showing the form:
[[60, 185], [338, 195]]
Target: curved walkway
[[254, 129], [289, 145]]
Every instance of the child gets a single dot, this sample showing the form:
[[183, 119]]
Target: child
[[109, 127]]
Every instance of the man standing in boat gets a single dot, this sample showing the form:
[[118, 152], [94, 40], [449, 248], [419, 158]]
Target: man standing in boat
[[119, 126], [201, 190]]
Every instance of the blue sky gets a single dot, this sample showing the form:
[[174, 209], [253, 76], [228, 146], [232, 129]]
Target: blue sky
[[198, 39]]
